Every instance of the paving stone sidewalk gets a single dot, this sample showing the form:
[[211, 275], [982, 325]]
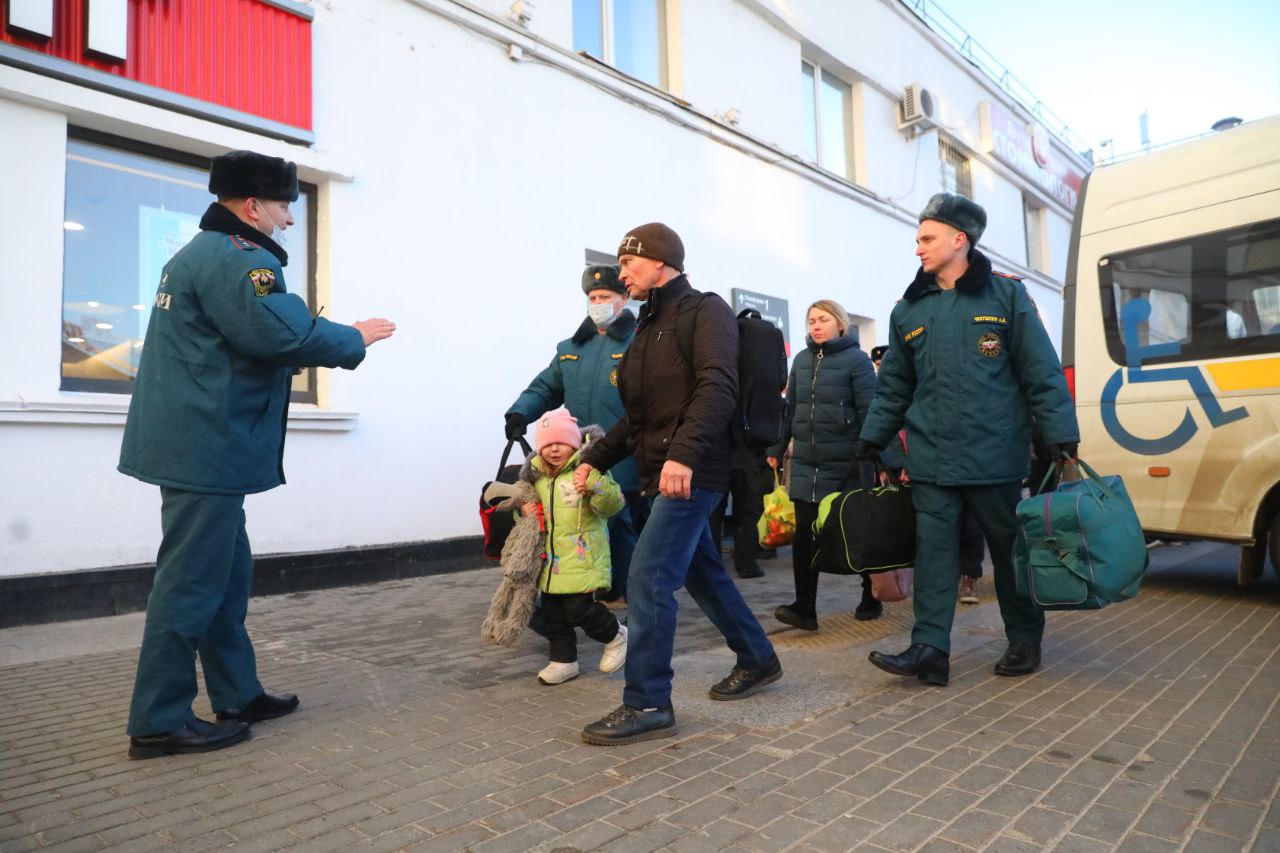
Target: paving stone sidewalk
[[1152, 726]]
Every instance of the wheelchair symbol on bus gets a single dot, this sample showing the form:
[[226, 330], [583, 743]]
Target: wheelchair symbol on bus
[[1135, 314]]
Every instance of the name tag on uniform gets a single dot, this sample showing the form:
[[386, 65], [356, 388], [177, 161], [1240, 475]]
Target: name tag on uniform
[[568, 357], [990, 318], [913, 334]]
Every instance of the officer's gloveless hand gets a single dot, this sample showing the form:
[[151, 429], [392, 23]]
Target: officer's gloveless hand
[[516, 425], [1063, 451]]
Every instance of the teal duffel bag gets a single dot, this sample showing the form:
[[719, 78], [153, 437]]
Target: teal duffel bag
[[1079, 547]]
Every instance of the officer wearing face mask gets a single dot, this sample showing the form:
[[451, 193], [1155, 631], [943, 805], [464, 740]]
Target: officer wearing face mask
[[207, 425], [583, 377]]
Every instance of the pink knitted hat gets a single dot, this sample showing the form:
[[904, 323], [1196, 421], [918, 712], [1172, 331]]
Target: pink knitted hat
[[557, 427]]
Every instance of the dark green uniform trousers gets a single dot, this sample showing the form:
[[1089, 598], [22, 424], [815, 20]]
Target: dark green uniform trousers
[[204, 573], [938, 514]]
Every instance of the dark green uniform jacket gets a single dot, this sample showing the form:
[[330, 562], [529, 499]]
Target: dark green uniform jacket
[[583, 377], [212, 395], [965, 370], [828, 394]]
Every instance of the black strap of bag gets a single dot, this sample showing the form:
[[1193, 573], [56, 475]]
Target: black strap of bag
[[506, 453]]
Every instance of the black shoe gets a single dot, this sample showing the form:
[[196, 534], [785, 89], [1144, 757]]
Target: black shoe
[[631, 725], [868, 608], [1019, 659], [742, 682], [788, 615], [749, 570], [196, 736], [924, 662], [265, 707]]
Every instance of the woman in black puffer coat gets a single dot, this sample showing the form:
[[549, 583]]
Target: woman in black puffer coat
[[828, 393]]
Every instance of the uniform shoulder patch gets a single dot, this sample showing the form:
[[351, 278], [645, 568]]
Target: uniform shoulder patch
[[242, 244], [569, 357], [1007, 275], [264, 281], [914, 333], [617, 355]]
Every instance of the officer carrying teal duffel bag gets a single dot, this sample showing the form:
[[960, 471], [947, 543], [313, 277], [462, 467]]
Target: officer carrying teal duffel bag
[[1079, 547]]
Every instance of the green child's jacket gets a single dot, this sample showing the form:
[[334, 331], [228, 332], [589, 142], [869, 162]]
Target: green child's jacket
[[577, 543]]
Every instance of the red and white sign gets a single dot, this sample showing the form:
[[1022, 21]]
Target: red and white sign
[[252, 57], [1028, 150]]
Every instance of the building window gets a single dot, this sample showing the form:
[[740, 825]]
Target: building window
[[1035, 225], [955, 170], [627, 34], [1212, 296], [828, 118], [128, 209]]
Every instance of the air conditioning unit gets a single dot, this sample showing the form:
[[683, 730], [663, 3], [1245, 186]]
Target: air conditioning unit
[[915, 110]]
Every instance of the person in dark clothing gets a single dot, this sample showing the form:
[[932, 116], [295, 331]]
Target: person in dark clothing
[[677, 410], [748, 481], [972, 548], [829, 391]]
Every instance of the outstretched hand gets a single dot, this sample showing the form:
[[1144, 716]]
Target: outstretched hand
[[374, 330]]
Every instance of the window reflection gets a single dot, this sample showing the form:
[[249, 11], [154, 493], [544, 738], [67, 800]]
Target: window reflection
[[127, 213]]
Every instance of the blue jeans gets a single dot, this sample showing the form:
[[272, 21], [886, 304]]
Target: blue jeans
[[676, 549], [624, 529]]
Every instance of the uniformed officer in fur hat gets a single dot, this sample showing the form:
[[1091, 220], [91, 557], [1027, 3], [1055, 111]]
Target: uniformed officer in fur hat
[[968, 360], [207, 425]]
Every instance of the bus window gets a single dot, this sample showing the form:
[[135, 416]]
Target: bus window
[[1211, 296]]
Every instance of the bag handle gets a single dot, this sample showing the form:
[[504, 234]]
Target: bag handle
[[506, 453], [1090, 476]]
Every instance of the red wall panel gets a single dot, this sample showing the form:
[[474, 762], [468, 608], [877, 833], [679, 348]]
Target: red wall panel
[[242, 54]]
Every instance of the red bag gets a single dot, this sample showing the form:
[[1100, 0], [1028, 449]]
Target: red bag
[[496, 523]]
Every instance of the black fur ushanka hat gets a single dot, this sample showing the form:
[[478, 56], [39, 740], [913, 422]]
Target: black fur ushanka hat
[[244, 174]]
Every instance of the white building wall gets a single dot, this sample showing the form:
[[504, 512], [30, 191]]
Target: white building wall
[[458, 191], [756, 70]]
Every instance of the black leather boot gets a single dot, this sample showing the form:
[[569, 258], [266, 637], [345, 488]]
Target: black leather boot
[[924, 662], [1019, 659], [869, 607], [196, 736], [787, 614], [265, 707]]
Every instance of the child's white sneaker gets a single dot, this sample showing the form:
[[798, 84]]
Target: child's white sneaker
[[558, 673], [615, 652]]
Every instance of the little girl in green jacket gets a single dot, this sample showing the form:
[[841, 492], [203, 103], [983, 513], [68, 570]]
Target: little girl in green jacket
[[576, 560]]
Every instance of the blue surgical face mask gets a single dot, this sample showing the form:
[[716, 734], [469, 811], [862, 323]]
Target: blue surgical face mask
[[602, 313], [277, 233]]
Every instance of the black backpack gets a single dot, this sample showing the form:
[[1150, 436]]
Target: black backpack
[[762, 374]]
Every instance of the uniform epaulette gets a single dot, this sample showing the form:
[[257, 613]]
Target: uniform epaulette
[[1007, 275], [242, 244]]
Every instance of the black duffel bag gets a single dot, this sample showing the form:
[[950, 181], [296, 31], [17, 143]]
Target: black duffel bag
[[865, 530], [497, 523]]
